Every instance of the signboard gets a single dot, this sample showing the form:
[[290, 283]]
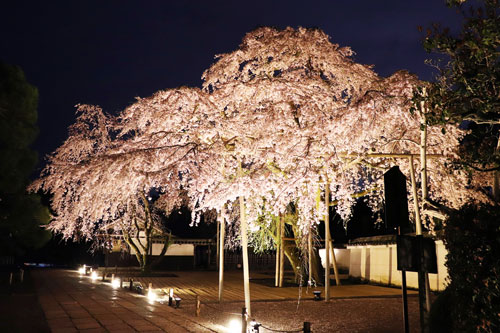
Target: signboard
[[416, 253]]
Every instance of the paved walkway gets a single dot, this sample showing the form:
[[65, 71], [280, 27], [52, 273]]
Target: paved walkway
[[74, 303]]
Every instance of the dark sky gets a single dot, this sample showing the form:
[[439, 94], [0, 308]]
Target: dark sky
[[108, 52]]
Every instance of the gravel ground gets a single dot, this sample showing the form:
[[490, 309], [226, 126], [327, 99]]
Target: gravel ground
[[339, 315]]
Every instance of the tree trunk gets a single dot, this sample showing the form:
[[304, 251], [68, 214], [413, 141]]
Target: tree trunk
[[496, 178]]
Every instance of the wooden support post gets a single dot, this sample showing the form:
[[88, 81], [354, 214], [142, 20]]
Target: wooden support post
[[309, 255], [278, 252], [244, 248], [327, 242], [221, 256], [418, 222], [218, 238], [282, 250], [243, 320], [198, 306], [335, 267]]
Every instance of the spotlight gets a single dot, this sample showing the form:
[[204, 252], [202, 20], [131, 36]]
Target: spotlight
[[115, 283], [177, 302], [234, 326], [152, 296], [254, 326], [93, 276]]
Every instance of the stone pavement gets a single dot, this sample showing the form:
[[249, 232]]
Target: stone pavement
[[74, 303]]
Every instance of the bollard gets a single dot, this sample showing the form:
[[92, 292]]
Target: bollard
[[150, 286], [131, 283], [22, 275], [10, 278], [198, 303], [243, 320], [307, 327], [121, 283], [112, 277]]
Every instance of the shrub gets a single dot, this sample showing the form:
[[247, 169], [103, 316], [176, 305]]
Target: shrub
[[472, 237]]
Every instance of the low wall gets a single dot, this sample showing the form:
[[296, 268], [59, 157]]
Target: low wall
[[378, 263]]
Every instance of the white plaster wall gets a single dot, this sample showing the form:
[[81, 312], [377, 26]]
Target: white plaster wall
[[378, 263], [173, 250], [342, 256]]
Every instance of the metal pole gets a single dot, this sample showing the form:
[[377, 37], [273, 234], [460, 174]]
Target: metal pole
[[405, 301]]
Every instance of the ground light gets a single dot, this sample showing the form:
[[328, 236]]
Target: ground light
[[82, 270], [152, 296], [93, 276], [254, 326], [115, 283], [234, 326]]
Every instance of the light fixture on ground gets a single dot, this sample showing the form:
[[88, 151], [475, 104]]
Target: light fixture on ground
[[152, 295], [177, 302], [254, 326], [81, 270], [234, 326], [317, 295], [115, 283], [93, 275]]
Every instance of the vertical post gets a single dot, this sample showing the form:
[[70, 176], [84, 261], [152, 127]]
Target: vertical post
[[244, 248], [327, 241], [404, 295], [422, 276], [405, 301], [198, 306], [278, 252], [282, 250], [309, 255], [243, 320], [307, 327], [22, 275], [334, 262], [209, 253], [10, 278], [418, 222], [218, 238], [131, 283], [221, 256]]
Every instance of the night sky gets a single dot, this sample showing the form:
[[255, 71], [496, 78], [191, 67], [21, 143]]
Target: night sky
[[109, 52]]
